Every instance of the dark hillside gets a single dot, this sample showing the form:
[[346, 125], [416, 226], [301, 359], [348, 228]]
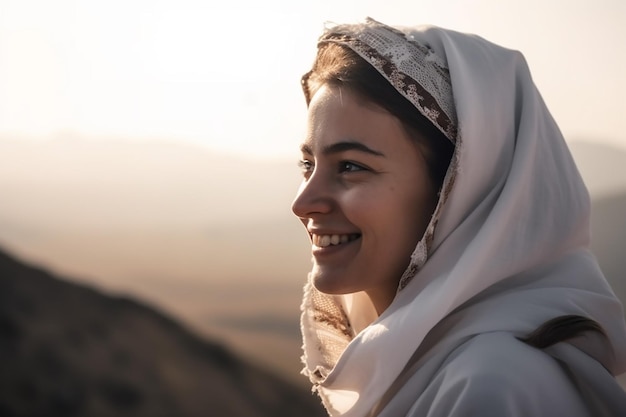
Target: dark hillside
[[68, 350]]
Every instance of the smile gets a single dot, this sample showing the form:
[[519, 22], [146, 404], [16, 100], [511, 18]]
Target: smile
[[323, 241]]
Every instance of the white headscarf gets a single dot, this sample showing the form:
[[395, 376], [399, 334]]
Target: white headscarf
[[508, 244]]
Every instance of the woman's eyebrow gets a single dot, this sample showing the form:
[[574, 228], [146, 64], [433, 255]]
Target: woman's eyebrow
[[306, 149], [342, 147]]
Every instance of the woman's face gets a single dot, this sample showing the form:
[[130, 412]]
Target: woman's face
[[366, 198]]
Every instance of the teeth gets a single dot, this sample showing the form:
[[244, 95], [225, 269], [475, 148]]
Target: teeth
[[323, 241]]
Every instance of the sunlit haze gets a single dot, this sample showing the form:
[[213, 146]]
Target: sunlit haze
[[109, 101], [227, 74]]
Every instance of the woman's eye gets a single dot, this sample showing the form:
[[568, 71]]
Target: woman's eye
[[347, 166], [305, 166]]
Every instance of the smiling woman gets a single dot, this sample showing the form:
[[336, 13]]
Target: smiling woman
[[449, 231]]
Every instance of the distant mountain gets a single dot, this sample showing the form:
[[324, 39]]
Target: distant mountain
[[608, 237], [127, 211], [608, 229], [602, 166], [69, 350]]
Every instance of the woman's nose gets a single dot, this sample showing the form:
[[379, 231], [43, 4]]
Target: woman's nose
[[313, 197]]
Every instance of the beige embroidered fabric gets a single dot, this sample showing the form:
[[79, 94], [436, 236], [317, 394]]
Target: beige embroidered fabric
[[412, 68], [507, 248]]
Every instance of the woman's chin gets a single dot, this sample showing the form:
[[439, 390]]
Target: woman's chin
[[330, 283]]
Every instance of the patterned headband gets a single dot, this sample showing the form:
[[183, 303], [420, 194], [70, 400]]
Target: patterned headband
[[412, 68]]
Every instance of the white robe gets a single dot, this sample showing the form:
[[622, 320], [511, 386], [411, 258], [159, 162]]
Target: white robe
[[496, 375], [507, 249]]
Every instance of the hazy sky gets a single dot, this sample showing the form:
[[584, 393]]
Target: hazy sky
[[227, 74]]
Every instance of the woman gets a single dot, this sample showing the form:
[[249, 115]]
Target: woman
[[449, 228]]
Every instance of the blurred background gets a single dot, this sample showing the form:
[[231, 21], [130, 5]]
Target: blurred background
[[148, 153]]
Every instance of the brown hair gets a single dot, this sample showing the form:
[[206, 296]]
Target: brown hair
[[339, 66], [560, 329]]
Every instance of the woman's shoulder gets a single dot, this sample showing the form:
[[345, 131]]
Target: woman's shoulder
[[500, 357], [495, 374]]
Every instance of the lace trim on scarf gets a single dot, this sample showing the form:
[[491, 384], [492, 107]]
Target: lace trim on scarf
[[422, 250], [412, 68], [324, 324]]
